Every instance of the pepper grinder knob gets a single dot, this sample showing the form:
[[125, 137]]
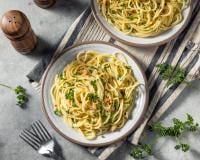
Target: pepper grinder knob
[[45, 3], [17, 29]]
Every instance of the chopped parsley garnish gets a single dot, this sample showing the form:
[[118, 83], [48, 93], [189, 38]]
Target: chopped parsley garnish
[[60, 76], [70, 95], [57, 112], [99, 106], [116, 105], [70, 84], [128, 67], [94, 84], [92, 97], [74, 104], [119, 76]]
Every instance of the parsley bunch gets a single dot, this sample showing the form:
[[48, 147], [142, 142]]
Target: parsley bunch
[[20, 92], [175, 130], [173, 75], [141, 151]]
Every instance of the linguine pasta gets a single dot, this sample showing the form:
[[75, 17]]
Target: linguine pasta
[[94, 94], [142, 18]]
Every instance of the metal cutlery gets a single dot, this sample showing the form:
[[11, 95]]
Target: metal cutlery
[[40, 140]]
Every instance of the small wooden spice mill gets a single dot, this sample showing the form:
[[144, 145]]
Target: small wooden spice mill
[[45, 3], [17, 29]]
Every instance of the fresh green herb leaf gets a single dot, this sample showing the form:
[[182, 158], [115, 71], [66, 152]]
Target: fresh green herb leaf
[[70, 84], [113, 11], [74, 104], [116, 105], [99, 106], [190, 124], [128, 67], [70, 95], [21, 96], [173, 75], [94, 84], [141, 151], [92, 97], [60, 76], [158, 128], [19, 89], [20, 92], [118, 77], [176, 130], [57, 112], [183, 147]]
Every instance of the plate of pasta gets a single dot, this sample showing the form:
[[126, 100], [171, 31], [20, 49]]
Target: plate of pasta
[[94, 93], [142, 22]]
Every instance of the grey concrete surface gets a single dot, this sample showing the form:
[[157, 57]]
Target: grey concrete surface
[[49, 25]]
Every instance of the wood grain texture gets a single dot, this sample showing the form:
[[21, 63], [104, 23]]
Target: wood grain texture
[[44, 3], [17, 29]]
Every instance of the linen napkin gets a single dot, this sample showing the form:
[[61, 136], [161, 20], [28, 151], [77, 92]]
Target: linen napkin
[[183, 51]]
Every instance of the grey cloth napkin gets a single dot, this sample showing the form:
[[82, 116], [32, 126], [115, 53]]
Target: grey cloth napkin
[[183, 51]]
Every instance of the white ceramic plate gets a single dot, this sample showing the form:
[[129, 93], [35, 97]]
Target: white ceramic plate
[[137, 41], [57, 66]]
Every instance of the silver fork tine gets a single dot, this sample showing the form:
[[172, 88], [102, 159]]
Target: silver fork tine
[[29, 141], [40, 140], [44, 130], [37, 131], [31, 135]]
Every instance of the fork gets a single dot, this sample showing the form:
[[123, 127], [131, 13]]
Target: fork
[[40, 140]]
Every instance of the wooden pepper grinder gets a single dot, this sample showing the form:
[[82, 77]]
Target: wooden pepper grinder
[[45, 3], [17, 28]]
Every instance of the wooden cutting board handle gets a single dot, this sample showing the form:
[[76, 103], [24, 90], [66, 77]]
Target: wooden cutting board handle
[[45, 3], [17, 29]]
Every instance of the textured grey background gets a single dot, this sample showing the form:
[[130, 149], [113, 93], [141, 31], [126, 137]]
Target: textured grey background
[[49, 25]]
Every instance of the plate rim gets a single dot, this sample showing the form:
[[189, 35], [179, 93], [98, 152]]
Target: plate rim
[[138, 122], [138, 44]]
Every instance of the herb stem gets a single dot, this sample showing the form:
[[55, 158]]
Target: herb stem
[[6, 86]]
